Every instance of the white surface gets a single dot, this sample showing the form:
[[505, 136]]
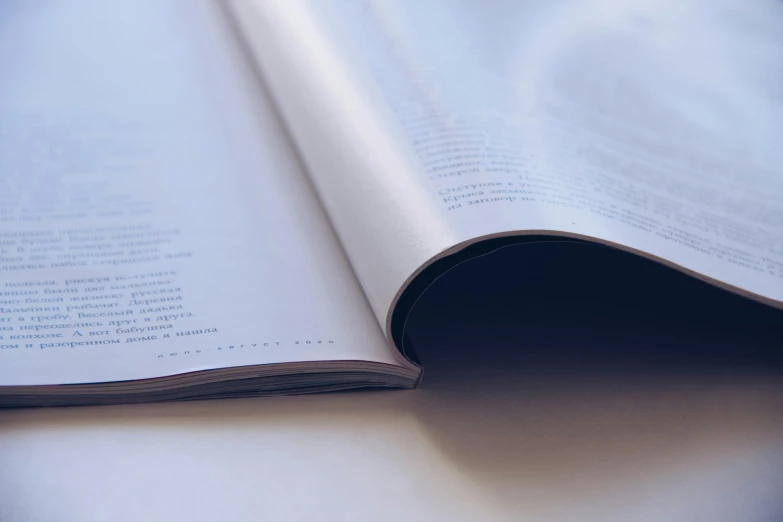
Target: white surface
[[473, 451]]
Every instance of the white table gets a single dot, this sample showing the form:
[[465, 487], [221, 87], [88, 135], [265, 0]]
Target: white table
[[476, 443]]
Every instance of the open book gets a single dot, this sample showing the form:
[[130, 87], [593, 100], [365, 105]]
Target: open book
[[212, 199]]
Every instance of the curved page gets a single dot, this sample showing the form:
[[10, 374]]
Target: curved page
[[654, 127]]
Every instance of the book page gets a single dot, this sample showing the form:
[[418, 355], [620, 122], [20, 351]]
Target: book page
[[153, 217], [356, 153], [651, 126]]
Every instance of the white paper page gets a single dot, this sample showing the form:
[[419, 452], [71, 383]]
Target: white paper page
[[357, 155], [655, 126], [153, 218]]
